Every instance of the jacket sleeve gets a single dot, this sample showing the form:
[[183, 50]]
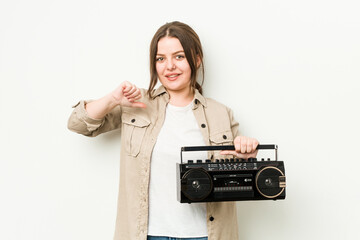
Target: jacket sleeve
[[234, 125], [81, 123]]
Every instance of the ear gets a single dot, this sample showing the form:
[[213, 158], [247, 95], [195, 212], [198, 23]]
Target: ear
[[198, 61]]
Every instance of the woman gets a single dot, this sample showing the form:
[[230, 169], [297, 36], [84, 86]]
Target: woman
[[154, 124]]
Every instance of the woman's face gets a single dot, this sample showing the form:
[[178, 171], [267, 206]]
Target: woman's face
[[173, 69]]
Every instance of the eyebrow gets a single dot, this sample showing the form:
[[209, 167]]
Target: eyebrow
[[181, 51]]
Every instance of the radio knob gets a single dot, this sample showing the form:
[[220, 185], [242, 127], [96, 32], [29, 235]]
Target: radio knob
[[232, 160], [222, 160], [190, 161], [252, 159], [262, 159], [226, 160], [269, 159], [242, 160], [208, 161], [217, 160], [198, 161]]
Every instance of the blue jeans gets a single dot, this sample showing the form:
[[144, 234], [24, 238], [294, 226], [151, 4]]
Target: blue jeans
[[170, 238]]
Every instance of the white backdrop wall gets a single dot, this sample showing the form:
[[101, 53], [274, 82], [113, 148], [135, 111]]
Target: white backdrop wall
[[288, 69]]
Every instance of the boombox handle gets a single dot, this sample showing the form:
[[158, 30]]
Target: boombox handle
[[226, 147]]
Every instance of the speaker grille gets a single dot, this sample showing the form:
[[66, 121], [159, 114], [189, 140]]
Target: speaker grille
[[196, 184], [270, 182]]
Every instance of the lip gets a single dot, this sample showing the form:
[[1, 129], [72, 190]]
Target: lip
[[172, 76]]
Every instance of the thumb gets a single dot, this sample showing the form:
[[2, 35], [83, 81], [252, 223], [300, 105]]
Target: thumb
[[138, 105]]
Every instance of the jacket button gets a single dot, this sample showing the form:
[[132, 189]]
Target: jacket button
[[224, 137], [203, 125], [196, 101], [133, 120], [211, 218]]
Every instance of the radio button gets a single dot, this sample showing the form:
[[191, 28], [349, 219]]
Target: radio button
[[255, 166]]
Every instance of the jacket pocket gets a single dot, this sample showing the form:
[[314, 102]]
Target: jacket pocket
[[134, 128], [222, 138]]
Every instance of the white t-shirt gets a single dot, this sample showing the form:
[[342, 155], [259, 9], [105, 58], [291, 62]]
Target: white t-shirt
[[167, 216]]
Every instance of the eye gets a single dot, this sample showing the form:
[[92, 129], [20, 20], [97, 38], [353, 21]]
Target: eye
[[159, 59], [180, 56]]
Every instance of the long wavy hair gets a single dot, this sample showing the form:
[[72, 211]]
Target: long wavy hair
[[190, 41]]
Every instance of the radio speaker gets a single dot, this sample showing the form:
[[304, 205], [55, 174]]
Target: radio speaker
[[196, 184]]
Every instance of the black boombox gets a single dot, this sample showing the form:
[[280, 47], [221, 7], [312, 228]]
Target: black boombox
[[230, 179]]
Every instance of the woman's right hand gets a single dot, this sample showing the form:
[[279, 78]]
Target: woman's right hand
[[127, 95]]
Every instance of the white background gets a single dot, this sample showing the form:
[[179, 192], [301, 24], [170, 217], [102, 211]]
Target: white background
[[288, 69]]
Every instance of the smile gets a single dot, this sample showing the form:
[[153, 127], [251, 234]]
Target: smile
[[172, 77]]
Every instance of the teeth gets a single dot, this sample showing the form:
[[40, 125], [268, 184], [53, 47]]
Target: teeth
[[171, 76]]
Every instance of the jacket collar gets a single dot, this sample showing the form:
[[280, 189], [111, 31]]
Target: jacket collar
[[159, 91], [198, 98]]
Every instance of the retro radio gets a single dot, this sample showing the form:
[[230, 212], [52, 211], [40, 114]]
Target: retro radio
[[230, 179]]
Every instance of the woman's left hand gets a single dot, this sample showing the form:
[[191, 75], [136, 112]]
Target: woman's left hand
[[245, 147]]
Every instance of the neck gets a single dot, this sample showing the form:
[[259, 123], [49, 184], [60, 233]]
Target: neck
[[181, 99]]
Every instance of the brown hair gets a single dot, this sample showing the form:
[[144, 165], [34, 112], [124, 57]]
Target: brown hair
[[189, 40]]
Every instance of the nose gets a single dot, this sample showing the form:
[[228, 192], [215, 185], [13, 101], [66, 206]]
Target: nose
[[170, 64]]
